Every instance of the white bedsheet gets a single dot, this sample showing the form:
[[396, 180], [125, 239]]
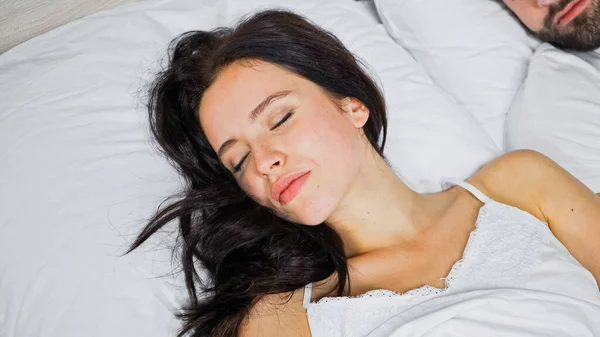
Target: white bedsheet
[[79, 176], [496, 313]]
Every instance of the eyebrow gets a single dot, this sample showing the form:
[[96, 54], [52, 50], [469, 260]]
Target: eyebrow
[[254, 114]]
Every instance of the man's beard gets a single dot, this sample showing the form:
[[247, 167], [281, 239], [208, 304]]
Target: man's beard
[[583, 33]]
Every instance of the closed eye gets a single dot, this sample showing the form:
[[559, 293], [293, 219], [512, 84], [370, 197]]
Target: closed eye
[[238, 167], [283, 120]]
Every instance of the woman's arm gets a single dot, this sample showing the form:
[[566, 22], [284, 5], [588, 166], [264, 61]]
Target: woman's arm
[[533, 182], [276, 316]]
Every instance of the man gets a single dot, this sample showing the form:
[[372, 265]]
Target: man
[[567, 24]]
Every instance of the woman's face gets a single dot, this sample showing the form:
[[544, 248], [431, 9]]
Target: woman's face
[[286, 141]]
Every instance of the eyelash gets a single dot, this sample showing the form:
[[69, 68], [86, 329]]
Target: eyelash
[[287, 116], [283, 120]]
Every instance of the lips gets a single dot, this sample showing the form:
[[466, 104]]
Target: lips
[[571, 11], [288, 186]]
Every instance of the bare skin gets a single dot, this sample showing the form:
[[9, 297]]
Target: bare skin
[[570, 24], [351, 188]]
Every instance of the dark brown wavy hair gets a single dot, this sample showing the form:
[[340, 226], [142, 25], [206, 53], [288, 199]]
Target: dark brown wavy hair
[[247, 251]]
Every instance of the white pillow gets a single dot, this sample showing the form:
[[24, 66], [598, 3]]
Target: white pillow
[[79, 176], [474, 49], [557, 112]]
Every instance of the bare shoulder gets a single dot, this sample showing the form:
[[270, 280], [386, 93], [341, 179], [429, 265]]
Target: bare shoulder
[[277, 315], [524, 179], [536, 184]]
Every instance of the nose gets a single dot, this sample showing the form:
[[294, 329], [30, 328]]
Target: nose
[[268, 159], [542, 3]]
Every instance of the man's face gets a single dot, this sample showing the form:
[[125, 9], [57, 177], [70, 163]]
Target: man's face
[[569, 24]]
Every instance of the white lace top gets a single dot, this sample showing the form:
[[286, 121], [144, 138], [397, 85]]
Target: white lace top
[[514, 279]]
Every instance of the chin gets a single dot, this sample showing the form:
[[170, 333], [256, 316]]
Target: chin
[[311, 224], [309, 211], [305, 220], [308, 217]]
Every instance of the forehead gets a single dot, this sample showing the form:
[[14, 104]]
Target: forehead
[[238, 89], [243, 83]]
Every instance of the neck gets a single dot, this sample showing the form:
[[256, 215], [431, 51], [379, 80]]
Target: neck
[[380, 210]]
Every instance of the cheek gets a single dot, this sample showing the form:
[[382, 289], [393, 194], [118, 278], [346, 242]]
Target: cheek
[[535, 19], [528, 11], [326, 139], [330, 145], [254, 186]]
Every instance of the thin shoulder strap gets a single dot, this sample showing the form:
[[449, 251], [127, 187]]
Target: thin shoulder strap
[[307, 295], [477, 193]]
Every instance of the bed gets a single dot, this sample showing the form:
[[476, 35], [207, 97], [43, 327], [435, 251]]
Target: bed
[[79, 175]]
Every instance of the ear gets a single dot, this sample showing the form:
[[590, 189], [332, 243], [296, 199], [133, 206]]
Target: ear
[[358, 112]]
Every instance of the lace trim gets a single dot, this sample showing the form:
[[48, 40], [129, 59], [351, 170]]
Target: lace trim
[[425, 290]]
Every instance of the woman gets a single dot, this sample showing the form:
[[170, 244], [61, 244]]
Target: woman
[[279, 134]]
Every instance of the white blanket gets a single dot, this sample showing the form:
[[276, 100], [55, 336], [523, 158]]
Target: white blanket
[[501, 312]]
